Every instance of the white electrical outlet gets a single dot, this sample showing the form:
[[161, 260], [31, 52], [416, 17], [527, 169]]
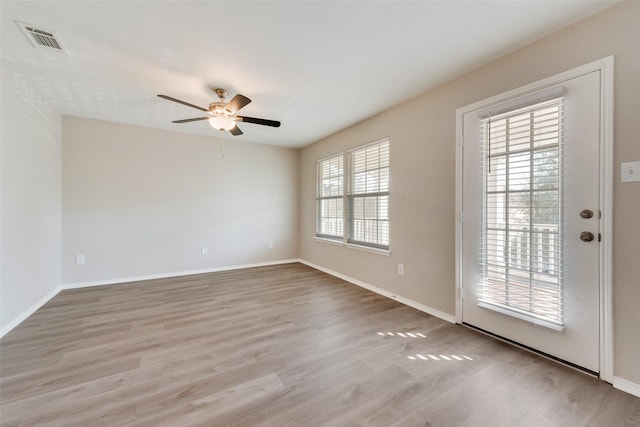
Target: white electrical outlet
[[401, 269], [270, 244], [204, 250], [630, 172], [80, 259]]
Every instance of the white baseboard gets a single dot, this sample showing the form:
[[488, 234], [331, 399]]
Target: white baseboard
[[28, 312], [173, 274], [626, 386], [406, 301]]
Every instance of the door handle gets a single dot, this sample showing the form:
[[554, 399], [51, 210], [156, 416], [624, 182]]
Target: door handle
[[586, 236]]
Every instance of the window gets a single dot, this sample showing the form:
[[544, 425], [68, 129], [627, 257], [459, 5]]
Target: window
[[366, 196], [522, 253], [330, 198], [369, 195]]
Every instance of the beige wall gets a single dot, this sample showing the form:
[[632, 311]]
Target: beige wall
[[422, 133], [138, 201], [30, 219]]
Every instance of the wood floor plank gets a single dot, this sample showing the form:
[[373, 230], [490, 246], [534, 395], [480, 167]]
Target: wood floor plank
[[277, 346]]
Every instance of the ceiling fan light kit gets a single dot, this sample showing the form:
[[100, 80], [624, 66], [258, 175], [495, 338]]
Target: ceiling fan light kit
[[222, 115], [222, 123]]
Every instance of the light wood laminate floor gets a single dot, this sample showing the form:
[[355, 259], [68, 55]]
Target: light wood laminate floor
[[277, 346]]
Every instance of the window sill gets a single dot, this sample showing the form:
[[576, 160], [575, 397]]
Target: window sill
[[384, 252], [329, 241]]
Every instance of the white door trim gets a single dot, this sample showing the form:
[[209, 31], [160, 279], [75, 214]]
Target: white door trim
[[606, 68]]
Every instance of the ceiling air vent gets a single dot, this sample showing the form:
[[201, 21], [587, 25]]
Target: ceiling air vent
[[42, 38]]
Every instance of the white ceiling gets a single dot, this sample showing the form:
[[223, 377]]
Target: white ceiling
[[316, 66]]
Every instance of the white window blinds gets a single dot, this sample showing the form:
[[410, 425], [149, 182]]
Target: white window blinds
[[521, 250], [330, 197], [369, 195]]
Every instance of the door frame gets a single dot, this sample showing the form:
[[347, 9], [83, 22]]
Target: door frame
[[606, 68]]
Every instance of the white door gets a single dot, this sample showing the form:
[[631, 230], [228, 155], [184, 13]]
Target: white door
[[530, 202]]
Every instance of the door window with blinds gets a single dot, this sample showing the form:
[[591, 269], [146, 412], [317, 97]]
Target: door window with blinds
[[522, 247], [355, 210]]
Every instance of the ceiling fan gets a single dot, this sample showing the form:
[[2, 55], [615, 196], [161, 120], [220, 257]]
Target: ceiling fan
[[222, 115]]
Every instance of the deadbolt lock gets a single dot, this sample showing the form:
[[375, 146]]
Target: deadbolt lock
[[586, 213]]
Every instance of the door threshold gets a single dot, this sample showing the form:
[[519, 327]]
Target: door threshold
[[548, 356]]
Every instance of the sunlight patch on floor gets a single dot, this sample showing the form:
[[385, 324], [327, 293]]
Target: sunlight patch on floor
[[441, 357], [402, 334]]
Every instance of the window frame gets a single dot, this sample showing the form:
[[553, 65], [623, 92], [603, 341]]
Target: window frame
[[351, 196], [320, 178], [348, 197]]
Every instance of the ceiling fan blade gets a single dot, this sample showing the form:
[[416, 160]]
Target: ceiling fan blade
[[238, 102], [235, 131], [190, 120], [183, 103], [265, 122]]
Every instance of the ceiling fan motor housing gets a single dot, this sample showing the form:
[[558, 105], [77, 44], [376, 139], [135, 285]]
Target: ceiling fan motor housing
[[218, 108]]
